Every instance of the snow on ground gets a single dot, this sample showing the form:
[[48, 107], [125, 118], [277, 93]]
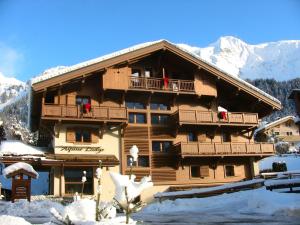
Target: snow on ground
[[292, 161], [25, 209], [206, 190], [253, 201], [12, 220]]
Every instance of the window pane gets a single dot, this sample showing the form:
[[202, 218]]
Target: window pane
[[195, 171], [128, 161], [131, 117], [154, 119], [78, 135], [139, 105], [229, 171], [166, 146], [140, 118], [155, 146], [73, 182], [164, 119], [154, 106], [78, 100], [192, 136], [143, 161], [129, 105], [163, 107], [86, 136]]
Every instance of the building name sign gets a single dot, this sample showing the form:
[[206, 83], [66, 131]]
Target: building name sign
[[80, 149]]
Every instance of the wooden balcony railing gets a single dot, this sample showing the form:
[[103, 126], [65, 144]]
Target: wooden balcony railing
[[76, 112], [207, 117], [161, 84], [230, 148]]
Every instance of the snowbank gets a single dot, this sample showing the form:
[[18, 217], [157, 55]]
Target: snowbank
[[258, 201], [23, 208], [292, 162], [19, 148], [207, 190], [18, 166], [12, 220]]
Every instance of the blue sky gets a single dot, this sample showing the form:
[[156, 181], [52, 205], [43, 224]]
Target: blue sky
[[38, 34]]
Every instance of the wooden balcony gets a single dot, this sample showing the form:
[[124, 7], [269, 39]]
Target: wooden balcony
[[211, 118], [75, 112], [223, 149], [159, 84]]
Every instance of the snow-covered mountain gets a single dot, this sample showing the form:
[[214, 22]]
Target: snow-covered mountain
[[9, 89], [279, 60]]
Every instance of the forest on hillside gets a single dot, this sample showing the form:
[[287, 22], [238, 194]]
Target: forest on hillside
[[280, 90]]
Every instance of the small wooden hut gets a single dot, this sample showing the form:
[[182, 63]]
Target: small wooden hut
[[21, 174]]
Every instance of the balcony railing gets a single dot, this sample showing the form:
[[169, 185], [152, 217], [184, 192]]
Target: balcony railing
[[76, 112], [230, 148], [209, 117], [161, 84]]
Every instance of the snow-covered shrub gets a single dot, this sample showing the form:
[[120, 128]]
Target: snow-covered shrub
[[282, 147]]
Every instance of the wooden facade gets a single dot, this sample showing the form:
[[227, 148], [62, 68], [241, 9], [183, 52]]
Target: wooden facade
[[165, 101]]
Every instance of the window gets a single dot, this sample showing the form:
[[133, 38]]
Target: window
[[143, 161], [226, 137], [159, 119], [50, 97], [135, 105], [83, 100], [276, 133], [199, 171], [159, 106], [136, 73], [289, 133], [73, 182], [229, 171], [192, 136], [137, 118], [161, 146], [82, 135]]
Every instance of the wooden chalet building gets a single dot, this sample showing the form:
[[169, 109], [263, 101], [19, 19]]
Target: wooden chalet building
[[159, 97], [284, 129]]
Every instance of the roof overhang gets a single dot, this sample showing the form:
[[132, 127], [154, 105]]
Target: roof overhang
[[89, 67]]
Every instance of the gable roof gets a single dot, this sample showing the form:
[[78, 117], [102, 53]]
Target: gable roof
[[62, 74], [275, 123]]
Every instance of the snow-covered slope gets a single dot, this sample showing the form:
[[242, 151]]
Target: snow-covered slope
[[279, 60], [9, 89]]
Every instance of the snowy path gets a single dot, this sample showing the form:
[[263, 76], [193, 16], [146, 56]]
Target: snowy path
[[210, 219]]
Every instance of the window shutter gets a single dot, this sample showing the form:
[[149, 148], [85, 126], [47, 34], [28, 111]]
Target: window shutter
[[95, 135], [70, 135], [204, 171], [71, 99], [202, 137]]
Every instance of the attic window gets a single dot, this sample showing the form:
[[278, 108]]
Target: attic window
[[50, 97]]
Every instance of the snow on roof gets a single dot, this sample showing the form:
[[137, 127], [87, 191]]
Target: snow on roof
[[266, 126], [56, 71], [19, 166], [19, 148], [60, 70]]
